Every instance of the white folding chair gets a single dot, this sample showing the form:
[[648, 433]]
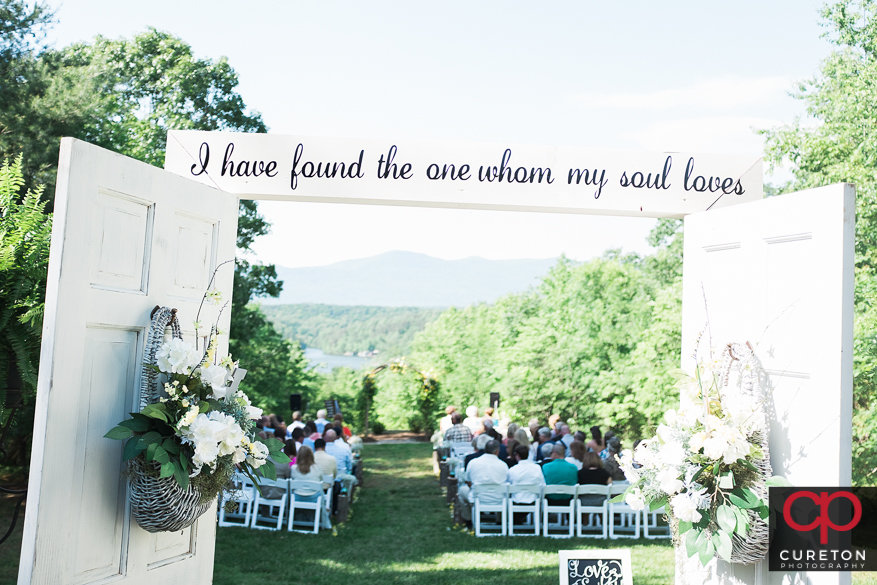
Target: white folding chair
[[489, 498], [243, 495], [592, 511], [651, 528], [298, 504], [532, 509], [461, 449], [628, 518], [327, 500], [268, 513], [562, 510]]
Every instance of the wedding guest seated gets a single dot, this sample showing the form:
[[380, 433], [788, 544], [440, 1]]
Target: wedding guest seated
[[543, 437], [340, 453], [479, 443], [592, 472], [458, 433], [296, 421], [484, 470], [326, 462], [606, 438], [510, 434], [510, 443], [274, 492], [338, 421], [525, 472], [290, 449], [311, 434], [305, 469], [580, 437], [522, 439], [494, 434], [445, 422], [564, 437], [472, 421], [559, 472], [280, 432], [610, 464], [298, 435], [321, 421], [596, 443], [533, 427], [576, 454]]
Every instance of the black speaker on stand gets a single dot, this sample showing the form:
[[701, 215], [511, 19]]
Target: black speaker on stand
[[494, 400], [294, 402]]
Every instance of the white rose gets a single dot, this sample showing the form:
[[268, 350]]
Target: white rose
[[240, 455], [685, 508], [216, 377], [669, 480], [671, 454], [714, 447], [258, 454], [665, 432], [206, 453], [635, 500], [696, 441], [177, 357]]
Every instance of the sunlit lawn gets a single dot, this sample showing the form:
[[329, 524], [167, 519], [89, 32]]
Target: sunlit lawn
[[400, 532]]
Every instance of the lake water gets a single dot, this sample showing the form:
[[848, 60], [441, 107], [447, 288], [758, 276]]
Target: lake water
[[323, 362]]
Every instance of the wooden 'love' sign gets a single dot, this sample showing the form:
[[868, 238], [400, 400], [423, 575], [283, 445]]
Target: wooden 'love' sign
[[595, 567]]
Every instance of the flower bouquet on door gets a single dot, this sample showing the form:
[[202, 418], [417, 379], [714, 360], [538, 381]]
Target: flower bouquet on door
[[194, 430], [708, 465]]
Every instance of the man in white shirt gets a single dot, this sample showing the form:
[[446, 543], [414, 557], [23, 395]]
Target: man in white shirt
[[472, 421], [525, 472], [566, 438], [296, 421], [484, 470], [341, 454], [321, 421]]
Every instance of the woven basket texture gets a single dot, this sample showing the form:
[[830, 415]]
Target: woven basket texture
[[160, 504]]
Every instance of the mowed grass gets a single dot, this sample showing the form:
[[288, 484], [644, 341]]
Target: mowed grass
[[400, 532]]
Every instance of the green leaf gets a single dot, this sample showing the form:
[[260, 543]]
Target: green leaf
[[699, 473], [726, 481], [267, 470], [723, 545], [704, 521], [130, 451], [742, 521], [167, 469], [150, 451], [716, 468], [119, 433], [763, 512], [746, 464], [725, 518], [707, 552], [273, 445], [692, 541], [151, 437], [138, 425], [180, 475], [171, 446], [280, 457], [204, 406], [157, 411], [744, 498], [184, 460], [152, 367], [160, 455], [778, 481], [654, 505], [684, 526]]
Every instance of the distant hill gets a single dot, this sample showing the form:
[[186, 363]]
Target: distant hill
[[408, 279], [339, 329]]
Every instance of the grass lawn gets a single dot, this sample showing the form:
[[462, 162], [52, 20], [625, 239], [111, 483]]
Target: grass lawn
[[400, 532]]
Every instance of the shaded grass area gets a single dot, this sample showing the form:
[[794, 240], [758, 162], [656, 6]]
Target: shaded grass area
[[400, 532]]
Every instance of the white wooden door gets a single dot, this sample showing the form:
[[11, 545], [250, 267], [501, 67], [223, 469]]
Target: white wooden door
[[127, 237], [779, 273]]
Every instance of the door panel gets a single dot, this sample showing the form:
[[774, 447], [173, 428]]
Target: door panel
[[127, 237], [779, 274]]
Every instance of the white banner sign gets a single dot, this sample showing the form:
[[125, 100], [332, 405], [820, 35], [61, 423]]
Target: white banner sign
[[464, 175]]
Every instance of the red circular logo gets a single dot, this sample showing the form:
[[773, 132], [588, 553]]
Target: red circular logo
[[823, 522]]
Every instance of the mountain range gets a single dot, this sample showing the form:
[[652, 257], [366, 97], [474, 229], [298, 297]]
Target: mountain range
[[408, 279]]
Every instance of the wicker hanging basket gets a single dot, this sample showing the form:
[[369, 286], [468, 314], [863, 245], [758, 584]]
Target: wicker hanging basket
[[753, 547], [160, 504]]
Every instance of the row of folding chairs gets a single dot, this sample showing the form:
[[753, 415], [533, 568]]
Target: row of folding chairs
[[564, 516], [253, 510]]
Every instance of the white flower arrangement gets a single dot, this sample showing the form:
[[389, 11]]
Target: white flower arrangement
[[701, 464], [203, 423]]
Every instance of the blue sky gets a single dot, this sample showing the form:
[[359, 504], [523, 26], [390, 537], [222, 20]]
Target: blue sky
[[695, 76]]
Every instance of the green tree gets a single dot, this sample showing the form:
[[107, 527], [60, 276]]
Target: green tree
[[842, 148]]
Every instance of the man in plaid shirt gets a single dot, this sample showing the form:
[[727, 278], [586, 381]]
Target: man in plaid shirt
[[459, 432]]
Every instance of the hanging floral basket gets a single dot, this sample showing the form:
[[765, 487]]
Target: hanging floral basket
[[709, 463], [192, 433], [158, 503]]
